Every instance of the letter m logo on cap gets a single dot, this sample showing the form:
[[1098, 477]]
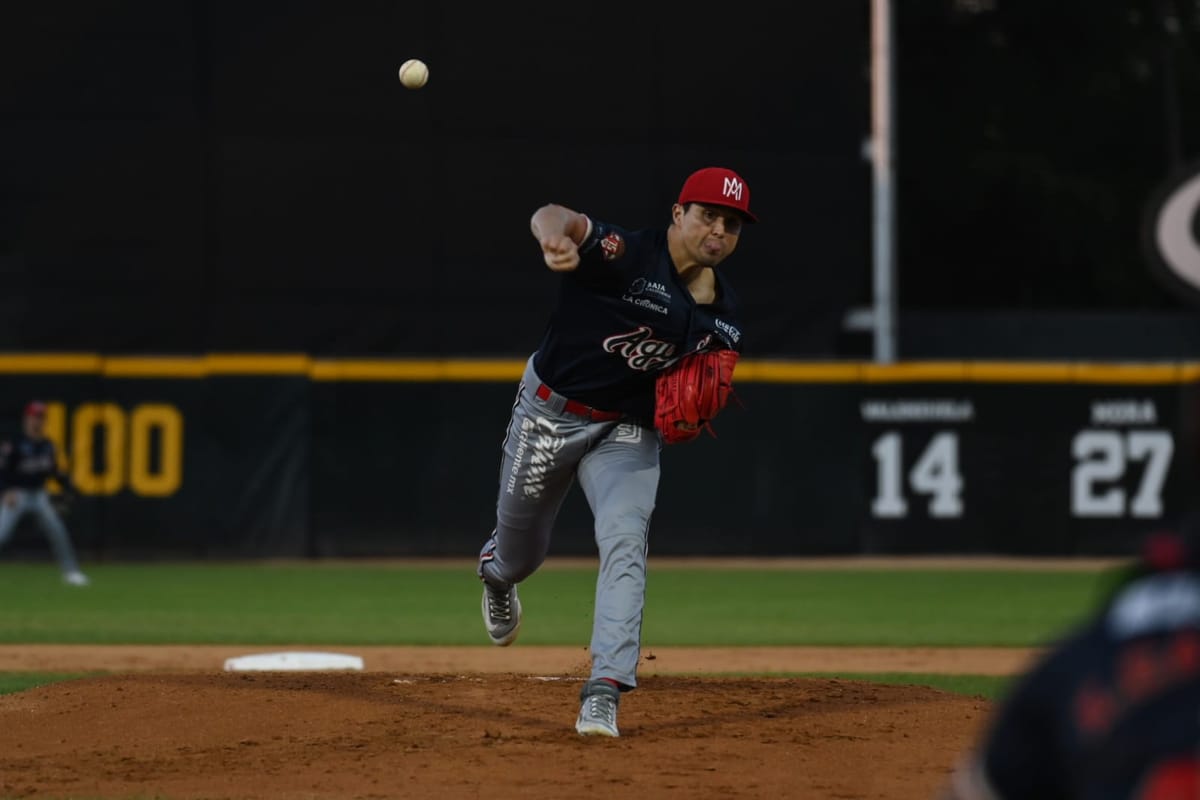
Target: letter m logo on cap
[[717, 186]]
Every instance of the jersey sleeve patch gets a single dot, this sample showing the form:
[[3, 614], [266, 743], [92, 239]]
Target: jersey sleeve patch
[[612, 246], [603, 240]]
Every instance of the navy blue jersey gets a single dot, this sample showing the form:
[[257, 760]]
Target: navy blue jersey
[[28, 463], [622, 316], [1114, 710]]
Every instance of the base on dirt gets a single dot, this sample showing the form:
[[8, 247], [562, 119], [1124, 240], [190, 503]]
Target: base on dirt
[[294, 661]]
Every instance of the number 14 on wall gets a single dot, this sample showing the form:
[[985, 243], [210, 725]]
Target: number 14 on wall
[[1101, 459], [935, 474]]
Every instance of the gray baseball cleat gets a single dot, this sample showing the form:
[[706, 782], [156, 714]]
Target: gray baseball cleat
[[501, 614], [598, 709]]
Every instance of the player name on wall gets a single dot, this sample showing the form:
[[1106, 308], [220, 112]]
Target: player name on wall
[[317, 461]]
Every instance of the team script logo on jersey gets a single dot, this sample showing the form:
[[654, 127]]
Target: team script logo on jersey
[[639, 350]]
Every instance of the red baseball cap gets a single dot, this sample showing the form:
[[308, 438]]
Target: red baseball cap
[[35, 408], [718, 186]]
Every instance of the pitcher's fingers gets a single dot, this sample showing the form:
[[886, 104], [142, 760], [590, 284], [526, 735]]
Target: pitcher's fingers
[[562, 262]]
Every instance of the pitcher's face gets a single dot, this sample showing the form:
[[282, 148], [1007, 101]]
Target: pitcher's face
[[708, 233]]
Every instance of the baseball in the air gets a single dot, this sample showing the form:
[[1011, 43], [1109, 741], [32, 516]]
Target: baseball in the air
[[414, 73]]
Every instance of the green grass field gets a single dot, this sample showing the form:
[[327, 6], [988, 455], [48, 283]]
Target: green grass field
[[438, 604]]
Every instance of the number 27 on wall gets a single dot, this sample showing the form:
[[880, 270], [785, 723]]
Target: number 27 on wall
[[1102, 456]]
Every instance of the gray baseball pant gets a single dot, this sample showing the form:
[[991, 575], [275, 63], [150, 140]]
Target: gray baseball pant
[[37, 502], [617, 464]]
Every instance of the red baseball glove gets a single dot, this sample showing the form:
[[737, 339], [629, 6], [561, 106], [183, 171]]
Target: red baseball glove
[[691, 392]]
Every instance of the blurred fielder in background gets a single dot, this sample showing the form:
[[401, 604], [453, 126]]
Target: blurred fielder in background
[[26, 462], [1113, 710]]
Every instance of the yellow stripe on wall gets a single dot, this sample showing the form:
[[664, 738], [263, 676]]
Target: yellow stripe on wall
[[1127, 373], [430, 371], [750, 371], [139, 367], [259, 364], [1018, 372], [500, 369], [59, 364], [205, 366]]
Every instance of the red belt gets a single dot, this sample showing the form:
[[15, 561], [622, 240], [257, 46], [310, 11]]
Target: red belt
[[544, 392]]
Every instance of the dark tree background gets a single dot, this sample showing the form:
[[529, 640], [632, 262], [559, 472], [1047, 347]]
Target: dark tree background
[[1031, 135], [191, 175]]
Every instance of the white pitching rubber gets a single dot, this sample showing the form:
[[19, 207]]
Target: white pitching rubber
[[292, 662]]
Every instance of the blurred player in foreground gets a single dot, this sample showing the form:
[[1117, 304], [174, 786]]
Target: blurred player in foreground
[[26, 463], [1112, 710]]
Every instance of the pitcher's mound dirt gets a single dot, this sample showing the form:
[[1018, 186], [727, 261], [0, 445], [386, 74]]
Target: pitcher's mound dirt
[[534, 659], [383, 734]]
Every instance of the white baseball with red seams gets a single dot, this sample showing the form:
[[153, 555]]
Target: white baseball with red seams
[[414, 73]]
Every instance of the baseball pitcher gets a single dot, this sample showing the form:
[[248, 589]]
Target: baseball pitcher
[[638, 352]]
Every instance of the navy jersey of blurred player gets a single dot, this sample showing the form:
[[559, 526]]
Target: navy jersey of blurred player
[[27, 462], [1113, 710]]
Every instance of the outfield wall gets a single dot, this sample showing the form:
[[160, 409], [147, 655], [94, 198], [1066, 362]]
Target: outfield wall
[[229, 456]]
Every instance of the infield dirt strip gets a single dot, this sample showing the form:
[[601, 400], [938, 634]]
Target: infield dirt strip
[[478, 722]]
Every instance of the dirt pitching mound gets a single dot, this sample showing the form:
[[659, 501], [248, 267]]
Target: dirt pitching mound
[[378, 734]]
